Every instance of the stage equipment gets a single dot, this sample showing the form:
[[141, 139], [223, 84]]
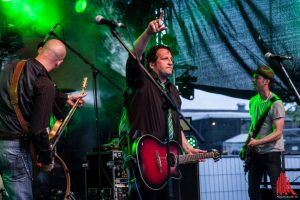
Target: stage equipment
[[41, 44], [102, 21], [277, 57], [114, 179], [185, 84], [189, 182]]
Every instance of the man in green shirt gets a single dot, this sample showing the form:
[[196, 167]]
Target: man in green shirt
[[267, 146]]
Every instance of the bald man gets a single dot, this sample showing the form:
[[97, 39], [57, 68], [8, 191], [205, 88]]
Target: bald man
[[37, 99]]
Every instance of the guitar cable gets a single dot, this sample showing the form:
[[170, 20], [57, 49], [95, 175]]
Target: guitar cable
[[136, 185], [128, 159]]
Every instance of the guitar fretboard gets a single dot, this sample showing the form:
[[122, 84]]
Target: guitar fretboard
[[195, 157]]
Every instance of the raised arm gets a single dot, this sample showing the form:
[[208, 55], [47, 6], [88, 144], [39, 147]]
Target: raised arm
[[155, 26]]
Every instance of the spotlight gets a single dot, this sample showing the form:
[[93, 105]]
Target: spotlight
[[186, 91], [186, 82], [80, 6], [192, 141]]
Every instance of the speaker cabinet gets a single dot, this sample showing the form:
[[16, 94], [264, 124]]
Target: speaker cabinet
[[189, 182]]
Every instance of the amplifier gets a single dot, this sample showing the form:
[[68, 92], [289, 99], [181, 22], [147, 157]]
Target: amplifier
[[113, 177], [189, 182]]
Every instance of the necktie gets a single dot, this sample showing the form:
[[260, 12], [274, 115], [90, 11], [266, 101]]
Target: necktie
[[169, 118]]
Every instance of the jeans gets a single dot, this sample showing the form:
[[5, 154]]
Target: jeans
[[16, 169], [259, 164]]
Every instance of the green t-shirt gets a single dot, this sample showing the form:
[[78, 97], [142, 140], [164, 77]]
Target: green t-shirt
[[257, 106]]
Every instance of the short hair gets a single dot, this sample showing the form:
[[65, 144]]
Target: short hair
[[151, 54], [265, 71]]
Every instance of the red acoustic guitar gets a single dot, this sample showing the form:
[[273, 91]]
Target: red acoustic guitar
[[151, 156]]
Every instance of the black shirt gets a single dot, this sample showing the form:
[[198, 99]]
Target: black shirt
[[144, 111], [37, 95]]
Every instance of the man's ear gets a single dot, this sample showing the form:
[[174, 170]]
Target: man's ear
[[40, 50], [151, 65]]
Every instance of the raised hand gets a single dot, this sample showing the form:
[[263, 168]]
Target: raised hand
[[157, 25]]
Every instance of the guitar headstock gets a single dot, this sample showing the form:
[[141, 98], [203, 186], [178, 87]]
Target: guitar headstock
[[216, 155], [84, 84]]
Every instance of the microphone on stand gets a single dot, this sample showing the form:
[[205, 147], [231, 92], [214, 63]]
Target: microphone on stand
[[102, 21], [277, 57], [47, 36]]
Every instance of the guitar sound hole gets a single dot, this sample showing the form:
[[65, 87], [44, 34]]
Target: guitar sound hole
[[172, 160]]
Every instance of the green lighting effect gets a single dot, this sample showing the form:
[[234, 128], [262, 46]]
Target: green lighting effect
[[32, 15], [192, 141], [52, 121], [80, 6]]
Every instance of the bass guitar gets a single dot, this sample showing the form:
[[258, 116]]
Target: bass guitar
[[152, 163]]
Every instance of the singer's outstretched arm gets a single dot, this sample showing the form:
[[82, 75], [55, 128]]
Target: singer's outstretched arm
[[155, 26]]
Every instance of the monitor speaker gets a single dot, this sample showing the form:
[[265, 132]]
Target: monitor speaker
[[189, 182]]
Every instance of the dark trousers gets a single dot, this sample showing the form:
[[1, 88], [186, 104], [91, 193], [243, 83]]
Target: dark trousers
[[269, 163]]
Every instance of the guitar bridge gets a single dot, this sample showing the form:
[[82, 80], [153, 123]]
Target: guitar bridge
[[158, 162]]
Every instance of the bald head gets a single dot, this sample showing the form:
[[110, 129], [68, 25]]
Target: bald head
[[55, 48], [52, 54]]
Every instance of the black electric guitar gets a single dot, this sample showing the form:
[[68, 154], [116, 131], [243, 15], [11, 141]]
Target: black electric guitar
[[255, 131], [151, 156], [247, 156]]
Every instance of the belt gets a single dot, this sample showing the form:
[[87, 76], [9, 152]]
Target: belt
[[6, 135]]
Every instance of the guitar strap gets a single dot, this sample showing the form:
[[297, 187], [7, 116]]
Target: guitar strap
[[263, 117], [13, 92]]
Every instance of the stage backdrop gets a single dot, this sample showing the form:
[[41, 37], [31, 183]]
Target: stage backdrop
[[226, 40]]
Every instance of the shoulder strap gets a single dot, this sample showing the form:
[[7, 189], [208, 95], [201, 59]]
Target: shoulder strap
[[13, 92], [263, 117]]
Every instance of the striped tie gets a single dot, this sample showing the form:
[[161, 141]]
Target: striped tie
[[170, 124], [170, 121]]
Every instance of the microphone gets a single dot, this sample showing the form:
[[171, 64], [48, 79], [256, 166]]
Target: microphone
[[277, 57], [101, 20], [47, 36]]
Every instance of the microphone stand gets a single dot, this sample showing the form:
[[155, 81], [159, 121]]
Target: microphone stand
[[294, 90], [169, 102], [95, 72], [164, 94], [170, 181]]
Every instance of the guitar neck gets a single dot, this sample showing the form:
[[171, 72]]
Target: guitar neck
[[70, 114], [195, 157], [64, 123], [68, 117]]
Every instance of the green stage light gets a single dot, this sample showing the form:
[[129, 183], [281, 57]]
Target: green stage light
[[32, 15], [80, 6], [192, 141]]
